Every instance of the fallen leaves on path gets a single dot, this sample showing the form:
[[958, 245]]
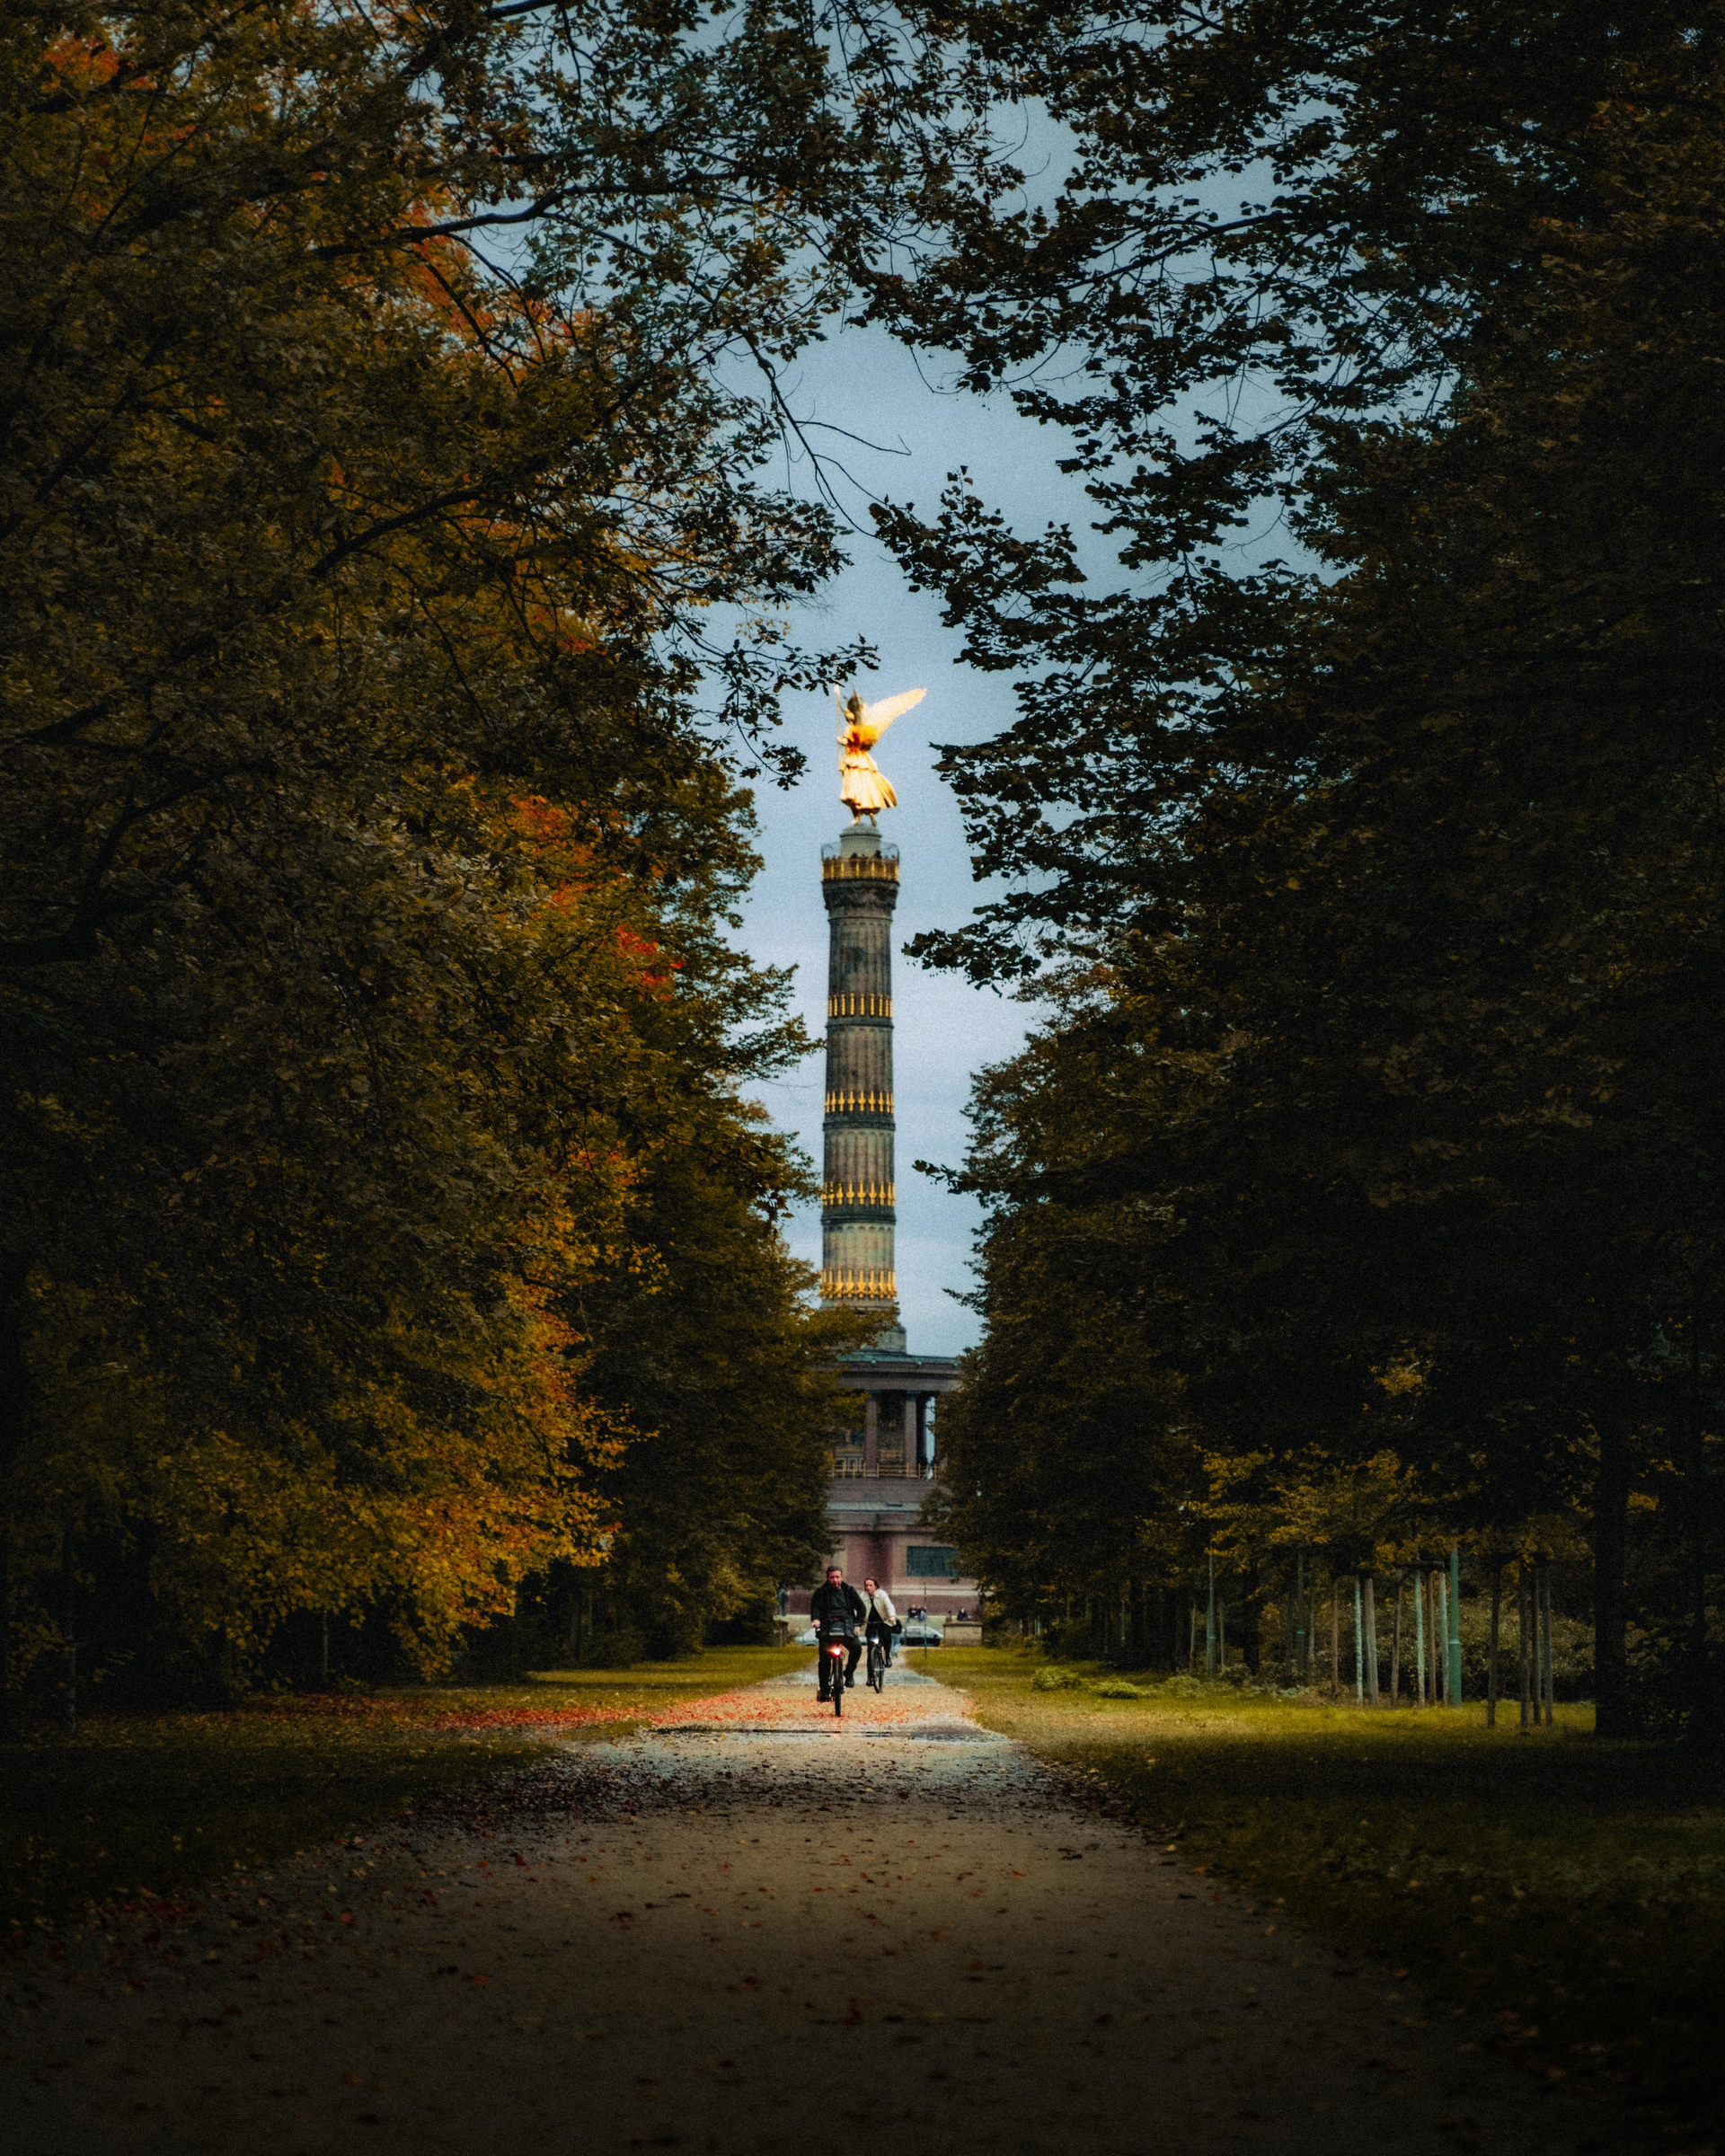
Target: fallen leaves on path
[[760, 1708], [531, 1717]]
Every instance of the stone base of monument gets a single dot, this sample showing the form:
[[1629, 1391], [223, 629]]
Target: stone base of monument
[[961, 1632]]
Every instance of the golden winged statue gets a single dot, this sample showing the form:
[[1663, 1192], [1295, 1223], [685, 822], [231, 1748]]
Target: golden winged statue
[[861, 785]]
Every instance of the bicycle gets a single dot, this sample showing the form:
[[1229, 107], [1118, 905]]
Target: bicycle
[[835, 1645], [877, 1663]]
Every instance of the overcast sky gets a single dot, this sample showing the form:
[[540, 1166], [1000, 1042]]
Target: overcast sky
[[945, 1029]]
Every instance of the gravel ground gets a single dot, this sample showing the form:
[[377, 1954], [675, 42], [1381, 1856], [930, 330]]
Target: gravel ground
[[748, 1928]]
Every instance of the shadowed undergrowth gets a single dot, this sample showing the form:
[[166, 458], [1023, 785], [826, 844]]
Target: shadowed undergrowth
[[145, 1804], [1574, 1890]]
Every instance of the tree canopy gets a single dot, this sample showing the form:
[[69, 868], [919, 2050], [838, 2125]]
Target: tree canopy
[[1367, 817], [396, 610]]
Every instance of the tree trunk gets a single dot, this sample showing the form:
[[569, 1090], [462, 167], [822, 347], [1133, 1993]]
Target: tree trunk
[[1706, 1720], [1524, 1656], [1453, 1633], [1395, 1642], [71, 1640], [1546, 1643], [1371, 1641], [1420, 1633], [1491, 1649], [1610, 1589], [1335, 1638], [1536, 1648], [1301, 1621], [16, 1403], [1251, 1644]]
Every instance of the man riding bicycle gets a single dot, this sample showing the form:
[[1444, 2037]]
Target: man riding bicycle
[[881, 1621], [838, 1613]]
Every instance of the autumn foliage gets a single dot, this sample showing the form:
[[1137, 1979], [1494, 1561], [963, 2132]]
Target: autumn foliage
[[367, 830]]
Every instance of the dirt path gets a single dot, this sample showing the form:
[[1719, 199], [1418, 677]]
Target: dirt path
[[750, 1929]]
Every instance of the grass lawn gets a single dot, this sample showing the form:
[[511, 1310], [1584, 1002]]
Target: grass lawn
[[147, 1804], [1574, 1890]]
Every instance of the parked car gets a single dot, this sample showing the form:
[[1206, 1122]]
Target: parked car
[[913, 1635]]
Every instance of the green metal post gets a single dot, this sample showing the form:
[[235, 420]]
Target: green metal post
[[1360, 1650], [1455, 1624], [1440, 1639]]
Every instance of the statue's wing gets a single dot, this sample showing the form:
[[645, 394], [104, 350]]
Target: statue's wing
[[838, 705], [879, 717]]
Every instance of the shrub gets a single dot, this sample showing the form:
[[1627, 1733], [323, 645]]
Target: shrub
[[1572, 1646], [751, 1626], [1056, 1679], [612, 1650]]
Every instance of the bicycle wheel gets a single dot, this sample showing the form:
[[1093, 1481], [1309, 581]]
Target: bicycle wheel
[[877, 1665]]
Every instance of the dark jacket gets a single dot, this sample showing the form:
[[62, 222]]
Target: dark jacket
[[837, 1607]]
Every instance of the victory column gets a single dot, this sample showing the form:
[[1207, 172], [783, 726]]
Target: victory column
[[858, 881], [882, 1469]]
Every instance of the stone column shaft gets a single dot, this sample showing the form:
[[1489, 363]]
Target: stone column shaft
[[860, 887]]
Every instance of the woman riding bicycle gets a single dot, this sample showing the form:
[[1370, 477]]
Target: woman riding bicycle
[[883, 1620]]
